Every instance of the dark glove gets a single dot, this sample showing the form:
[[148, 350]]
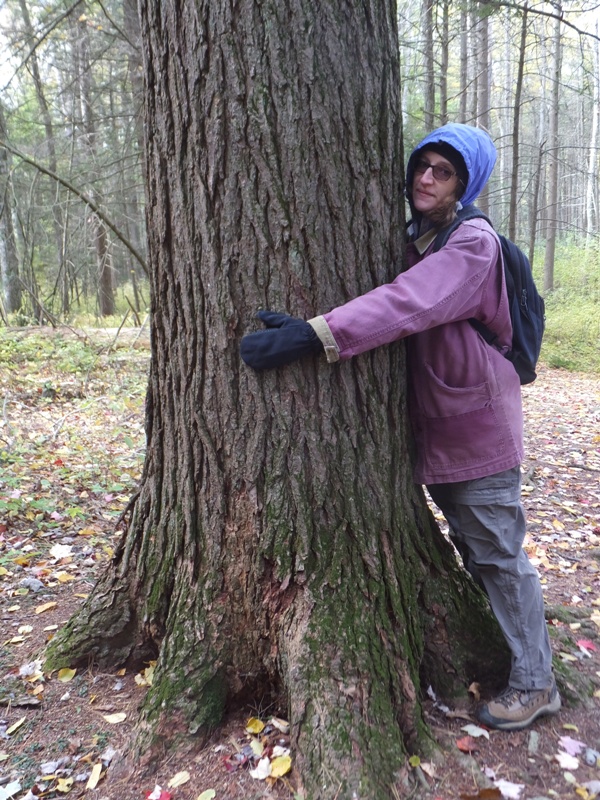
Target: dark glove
[[285, 340]]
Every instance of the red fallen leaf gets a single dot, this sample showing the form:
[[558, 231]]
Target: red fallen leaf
[[58, 462], [467, 744], [234, 761], [587, 644], [484, 794], [164, 795]]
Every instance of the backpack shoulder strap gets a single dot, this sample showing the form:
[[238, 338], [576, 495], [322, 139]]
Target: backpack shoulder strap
[[466, 213]]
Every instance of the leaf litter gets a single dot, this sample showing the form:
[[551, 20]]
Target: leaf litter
[[72, 459]]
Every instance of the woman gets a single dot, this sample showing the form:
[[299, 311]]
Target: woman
[[464, 396]]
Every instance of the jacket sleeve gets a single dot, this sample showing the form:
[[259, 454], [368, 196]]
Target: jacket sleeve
[[455, 283]]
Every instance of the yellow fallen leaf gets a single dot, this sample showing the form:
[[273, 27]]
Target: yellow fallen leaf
[[4, 571], [414, 761], [64, 577], [280, 766], [568, 726], [94, 777], [209, 794], [82, 596], [146, 676], [14, 608], [37, 690], [179, 779], [64, 785], [51, 628], [257, 747], [15, 640], [114, 719], [254, 725], [567, 657], [45, 607], [24, 629], [15, 726], [120, 672], [65, 675]]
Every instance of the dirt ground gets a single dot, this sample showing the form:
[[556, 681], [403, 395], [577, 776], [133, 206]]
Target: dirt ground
[[72, 448]]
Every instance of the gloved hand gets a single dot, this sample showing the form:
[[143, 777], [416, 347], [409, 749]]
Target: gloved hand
[[285, 340]]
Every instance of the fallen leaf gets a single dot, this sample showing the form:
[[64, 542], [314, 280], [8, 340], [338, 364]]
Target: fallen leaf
[[572, 746], [158, 794], [262, 771], [254, 725], [475, 731], [281, 766], [484, 794], [61, 551], [467, 744], [15, 726], [281, 724], [566, 761], [509, 790], [9, 790], [587, 644], [475, 690], [179, 779], [64, 785], [208, 794], [114, 719], [94, 777], [64, 577], [45, 607], [65, 675]]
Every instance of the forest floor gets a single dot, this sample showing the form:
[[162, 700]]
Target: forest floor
[[71, 453]]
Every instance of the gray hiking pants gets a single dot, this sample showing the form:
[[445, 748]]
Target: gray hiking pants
[[488, 522]]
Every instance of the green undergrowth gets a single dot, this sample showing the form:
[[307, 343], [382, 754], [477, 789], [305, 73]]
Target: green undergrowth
[[572, 336]]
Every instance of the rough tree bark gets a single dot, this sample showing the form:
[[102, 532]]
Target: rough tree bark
[[277, 543]]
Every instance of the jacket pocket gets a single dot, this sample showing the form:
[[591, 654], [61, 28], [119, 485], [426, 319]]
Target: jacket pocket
[[460, 424], [464, 439]]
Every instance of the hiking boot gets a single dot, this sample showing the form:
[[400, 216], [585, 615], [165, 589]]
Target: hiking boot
[[515, 708]]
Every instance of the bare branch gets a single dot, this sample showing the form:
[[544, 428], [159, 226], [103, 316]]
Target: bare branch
[[550, 14], [82, 196]]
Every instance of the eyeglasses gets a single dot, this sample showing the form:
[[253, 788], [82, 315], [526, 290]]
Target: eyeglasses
[[439, 171]]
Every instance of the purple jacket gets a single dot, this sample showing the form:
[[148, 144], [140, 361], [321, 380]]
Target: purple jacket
[[464, 396]]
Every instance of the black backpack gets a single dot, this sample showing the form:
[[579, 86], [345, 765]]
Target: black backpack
[[527, 310]]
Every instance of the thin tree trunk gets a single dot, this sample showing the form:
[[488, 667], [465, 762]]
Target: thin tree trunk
[[428, 11], [57, 212], [535, 200], [591, 194], [9, 260], [553, 150], [516, 131], [444, 62], [483, 85], [106, 297], [464, 63]]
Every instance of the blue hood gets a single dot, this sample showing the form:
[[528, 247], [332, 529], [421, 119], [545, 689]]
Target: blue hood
[[474, 145]]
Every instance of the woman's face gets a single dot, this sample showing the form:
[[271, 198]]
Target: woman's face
[[434, 197]]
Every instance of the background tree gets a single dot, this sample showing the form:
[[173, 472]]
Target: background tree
[[278, 545]]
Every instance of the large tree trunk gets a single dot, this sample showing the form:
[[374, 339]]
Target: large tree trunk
[[278, 543]]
